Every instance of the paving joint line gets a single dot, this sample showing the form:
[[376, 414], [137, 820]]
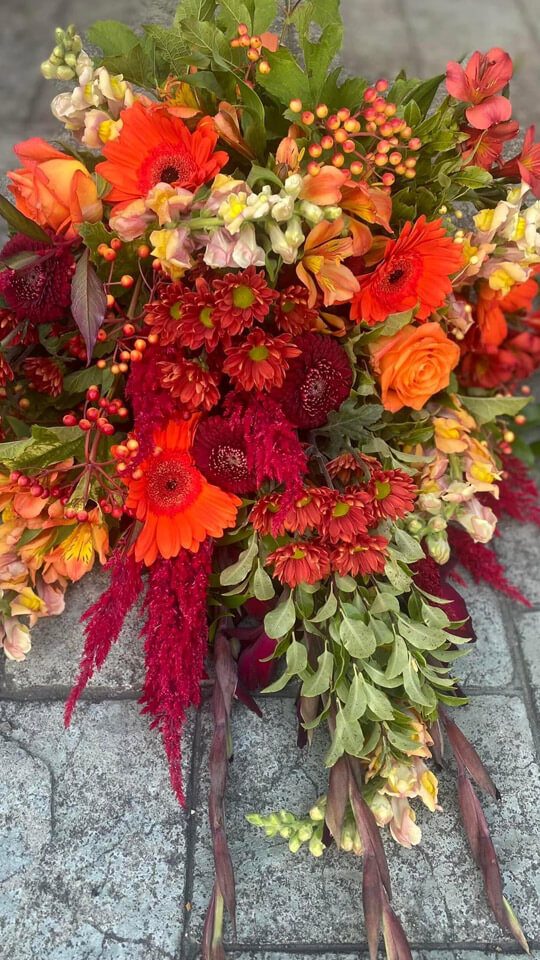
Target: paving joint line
[[192, 800], [522, 672], [483, 946]]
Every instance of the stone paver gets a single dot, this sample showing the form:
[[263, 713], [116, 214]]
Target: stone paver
[[437, 892], [57, 664], [94, 841], [95, 849]]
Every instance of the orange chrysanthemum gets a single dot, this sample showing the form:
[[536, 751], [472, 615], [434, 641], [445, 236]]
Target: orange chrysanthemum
[[155, 146], [175, 503], [260, 362], [415, 269], [302, 561]]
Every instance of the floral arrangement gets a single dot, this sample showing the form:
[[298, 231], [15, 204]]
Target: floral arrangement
[[261, 357]]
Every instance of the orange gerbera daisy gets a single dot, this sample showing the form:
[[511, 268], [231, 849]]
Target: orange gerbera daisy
[[175, 503], [155, 146], [415, 269]]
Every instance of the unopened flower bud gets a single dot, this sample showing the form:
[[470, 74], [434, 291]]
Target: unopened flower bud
[[305, 833], [295, 843], [316, 847], [438, 546], [311, 212], [317, 811]]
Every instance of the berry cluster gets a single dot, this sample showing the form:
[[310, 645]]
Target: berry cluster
[[97, 417], [253, 46], [369, 138]]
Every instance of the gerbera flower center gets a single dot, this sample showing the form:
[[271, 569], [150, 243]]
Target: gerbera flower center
[[404, 272], [243, 297], [166, 164], [172, 483]]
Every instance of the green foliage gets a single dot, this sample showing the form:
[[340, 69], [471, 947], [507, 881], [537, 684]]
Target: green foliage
[[487, 409], [44, 446]]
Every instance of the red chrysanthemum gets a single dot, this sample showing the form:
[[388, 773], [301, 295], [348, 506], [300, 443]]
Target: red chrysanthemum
[[163, 314], [260, 362], [198, 322], [345, 515], [302, 561], [393, 494], [155, 147], [6, 373], [41, 291], [220, 454], [415, 269], [318, 381], [292, 312], [44, 375], [191, 383], [365, 555], [348, 467], [263, 515], [242, 299]]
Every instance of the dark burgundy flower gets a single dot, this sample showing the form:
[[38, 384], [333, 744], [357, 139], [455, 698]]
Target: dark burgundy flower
[[220, 454], [317, 381], [41, 291]]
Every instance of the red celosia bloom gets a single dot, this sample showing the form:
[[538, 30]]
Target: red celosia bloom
[[292, 312], [415, 269], [519, 497], [393, 494], [318, 381], [345, 515], [263, 515], [483, 148], [191, 383], [364, 555], [260, 362], [176, 638], [163, 314], [220, 454], [301, 561], [41, 291], [177, 506], [483, 77], [104, 620], [242, 299], [154, 147], [152, 404], [44, 375], [198, 323], [481, 562]]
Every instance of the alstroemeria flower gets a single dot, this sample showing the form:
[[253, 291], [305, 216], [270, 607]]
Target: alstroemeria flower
[[321, 265], [485, 75]]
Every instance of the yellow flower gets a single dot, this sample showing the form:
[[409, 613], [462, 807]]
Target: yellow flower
[[28, 603], [428, 789], [75, 555], [506, 275]]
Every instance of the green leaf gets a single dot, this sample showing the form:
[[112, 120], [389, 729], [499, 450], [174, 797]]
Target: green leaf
[[407, 545], [420, 636], [398, 659], [396, 575], [423, 93], [22, 224], [80, 380], [238, 571], [296, 658], [487, 409], [114, 38], [420, 694], [264, 14], [196, 9], [88, 301], [350, 734], [388, 328], [173, 48], [233, 12], [357, 637], [263, 587], [279, 621], [327, 610], [45, 447], [320, 52], [473, 177], [286, 78], [320, 681], [356, 703], [384, 602], [378, 703], [352, 417]]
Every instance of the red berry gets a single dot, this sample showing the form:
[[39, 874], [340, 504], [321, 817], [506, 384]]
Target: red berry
[[117, 512], [116, 243], [92, 413], [123, 412], [14, 475], [69, 420], [108, 429], [23, 481], [103, 402], [70, 513], [106, 507], [36, 489], [56, 491], [82, 516], [85, 424], [92, 393]]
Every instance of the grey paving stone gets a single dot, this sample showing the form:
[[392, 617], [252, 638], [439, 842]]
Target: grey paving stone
[[528, 626], [417, 954], [57, 644], [94, 840], [489, 663], [437, 891], [518, 548]]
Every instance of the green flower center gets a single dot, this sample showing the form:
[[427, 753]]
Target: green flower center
[[341, 509], [243, 297], [175, 311], [258, 353], [288, 306], [205, 317], [298, 554], [382, 488]]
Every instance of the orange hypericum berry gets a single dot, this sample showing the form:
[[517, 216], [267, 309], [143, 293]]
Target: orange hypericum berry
[[235, 42], [255, 42], [315, 150], [382, 85], [414, 144], [383, 146], [110, 300], [242, 29], [313, 169], [253, 55], [401, 168], [124, 355], [115, 369], [127, 281], [370, 95], [344, 113], [123, 367], [109, 255], [356, 168], [405, 133], [264, 66], [327, 142], [352, 126], [128, 329], [296, 106], [153, 338], [338, 160], [321, 111], [349, 146], [140, 344], [410, 174], [308, 117], [143, 251], [244, 42], [101, 335], [388, 179], [333, 122], [340, 135], [380, 160], [390, 109], [116, 243], [395, 157], [101, 248]]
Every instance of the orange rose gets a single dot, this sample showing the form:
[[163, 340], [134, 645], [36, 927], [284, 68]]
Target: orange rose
[[53, 189], [413, 365]]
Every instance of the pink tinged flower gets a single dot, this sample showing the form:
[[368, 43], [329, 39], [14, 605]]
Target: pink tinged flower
[[403, 827], [490, 111], [529, 162], [52, 596], [131, 221], [485, 75], [16, 640], [241, 250], [479, 521]]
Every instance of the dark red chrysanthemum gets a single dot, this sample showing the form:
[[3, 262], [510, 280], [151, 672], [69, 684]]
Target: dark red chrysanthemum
[[198, 322], [220, 454], [44, 375], [163, 314], [393, 494], [365, 555], [292, 312], [242, 299], [41, 291], [318, 381]]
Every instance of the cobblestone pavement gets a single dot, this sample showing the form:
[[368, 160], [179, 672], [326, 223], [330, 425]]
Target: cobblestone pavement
[[97, 860]]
